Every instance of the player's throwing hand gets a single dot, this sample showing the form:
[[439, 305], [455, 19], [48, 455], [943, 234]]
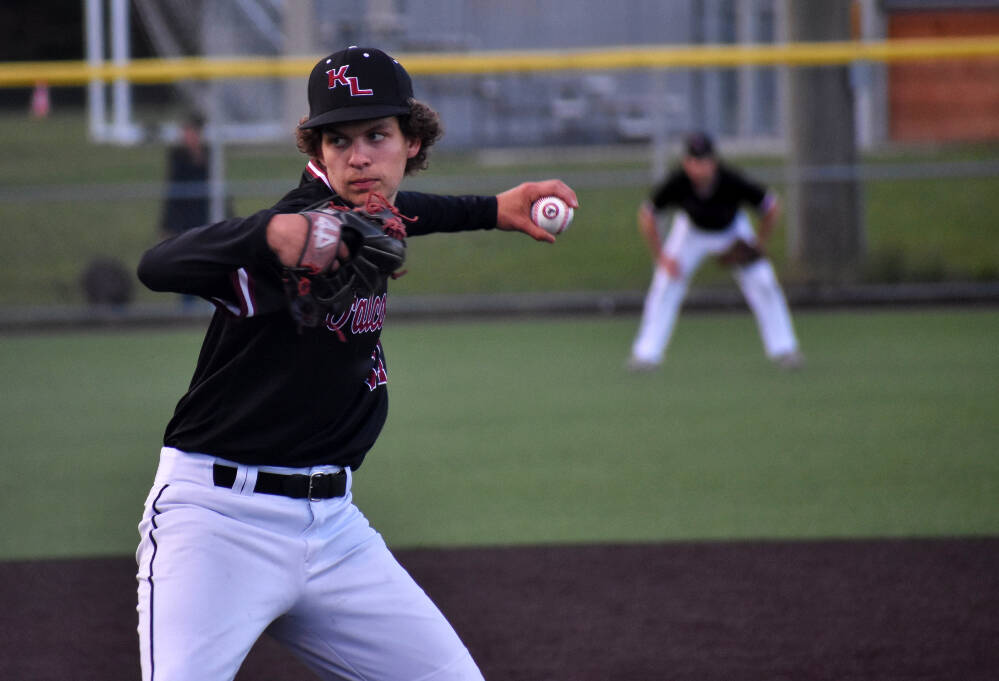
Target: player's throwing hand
[[513, 207]]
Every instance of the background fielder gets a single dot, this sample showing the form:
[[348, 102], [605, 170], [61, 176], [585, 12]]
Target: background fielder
[[708, 197]]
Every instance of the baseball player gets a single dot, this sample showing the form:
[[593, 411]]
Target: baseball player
[[708, 197], [250, 525]]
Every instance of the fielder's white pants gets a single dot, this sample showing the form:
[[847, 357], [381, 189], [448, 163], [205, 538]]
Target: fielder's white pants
[[688, 246], [218, 567]]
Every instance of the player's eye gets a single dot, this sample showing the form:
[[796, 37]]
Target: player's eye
[[376, 136], [335, 140]]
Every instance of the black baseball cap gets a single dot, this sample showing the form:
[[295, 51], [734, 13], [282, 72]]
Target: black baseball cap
[[356, 84], [699, 145]]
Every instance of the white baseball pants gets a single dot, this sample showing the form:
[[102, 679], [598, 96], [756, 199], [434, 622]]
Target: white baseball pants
[[218, 567], [688, 246]]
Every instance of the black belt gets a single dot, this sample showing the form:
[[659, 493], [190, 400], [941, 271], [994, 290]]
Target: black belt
[[311, 487]]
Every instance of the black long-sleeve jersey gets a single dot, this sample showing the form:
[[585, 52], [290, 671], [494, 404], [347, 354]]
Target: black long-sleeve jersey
[[715, 211], [264, 392]]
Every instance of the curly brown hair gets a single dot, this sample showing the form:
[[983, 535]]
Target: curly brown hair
[[422, 123]]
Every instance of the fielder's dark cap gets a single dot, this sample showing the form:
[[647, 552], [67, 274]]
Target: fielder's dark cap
[[356, 84], [699, 145]]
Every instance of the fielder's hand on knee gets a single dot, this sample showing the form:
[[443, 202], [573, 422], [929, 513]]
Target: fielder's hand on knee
[[671, 266]]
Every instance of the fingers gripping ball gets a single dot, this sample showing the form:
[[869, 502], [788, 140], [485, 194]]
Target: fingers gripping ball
[[551, 214], [328, 276]]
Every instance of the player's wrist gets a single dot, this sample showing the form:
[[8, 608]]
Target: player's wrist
[[286, 234]]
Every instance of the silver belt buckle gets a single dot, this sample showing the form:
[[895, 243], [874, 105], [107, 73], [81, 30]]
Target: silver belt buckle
[[312, 479]]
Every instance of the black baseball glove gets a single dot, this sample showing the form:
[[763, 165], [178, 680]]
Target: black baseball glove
[[740, 253], [327, 277]]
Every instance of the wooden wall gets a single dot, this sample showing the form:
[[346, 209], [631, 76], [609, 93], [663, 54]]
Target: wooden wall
[[946, 100]]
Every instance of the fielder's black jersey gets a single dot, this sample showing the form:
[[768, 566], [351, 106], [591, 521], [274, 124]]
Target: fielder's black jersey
[[264, 392], [716, 210]]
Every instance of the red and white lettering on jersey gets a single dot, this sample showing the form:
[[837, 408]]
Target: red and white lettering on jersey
[[378, 375], [366, 315], [339, 77]]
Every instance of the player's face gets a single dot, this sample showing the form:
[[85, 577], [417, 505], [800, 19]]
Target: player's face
[[367, 156], [701, 171]]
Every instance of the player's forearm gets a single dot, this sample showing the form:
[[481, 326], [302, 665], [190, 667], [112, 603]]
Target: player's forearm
[[437, 213], [509, 210], [766, 229], [768, 219], [647, 228], [286, 237], [201, 260]]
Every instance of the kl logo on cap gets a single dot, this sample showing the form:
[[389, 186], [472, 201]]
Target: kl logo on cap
[[339, 77]]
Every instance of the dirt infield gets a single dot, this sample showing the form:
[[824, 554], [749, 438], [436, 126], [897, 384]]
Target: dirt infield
[[885, 610]]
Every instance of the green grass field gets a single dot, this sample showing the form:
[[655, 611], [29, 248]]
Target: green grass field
[[917, 229], [528, 431]]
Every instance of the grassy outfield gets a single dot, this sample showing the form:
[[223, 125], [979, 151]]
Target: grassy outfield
[[530, 431], [917, 229]]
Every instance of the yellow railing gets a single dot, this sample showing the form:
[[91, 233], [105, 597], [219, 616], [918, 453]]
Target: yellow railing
[[66, 73]]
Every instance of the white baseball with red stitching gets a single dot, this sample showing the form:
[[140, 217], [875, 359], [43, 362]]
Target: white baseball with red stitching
[[551, 214]]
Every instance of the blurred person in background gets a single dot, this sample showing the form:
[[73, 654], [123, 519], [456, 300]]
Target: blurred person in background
[[188, 202], [707, 197]]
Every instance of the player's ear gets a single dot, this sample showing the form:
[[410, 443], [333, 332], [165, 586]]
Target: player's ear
[[413, 146]]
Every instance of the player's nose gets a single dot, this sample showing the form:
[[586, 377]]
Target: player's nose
[[359, 156]]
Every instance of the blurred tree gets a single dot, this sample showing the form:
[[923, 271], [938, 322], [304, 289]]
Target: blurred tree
[[40, 31], [824, 205]]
